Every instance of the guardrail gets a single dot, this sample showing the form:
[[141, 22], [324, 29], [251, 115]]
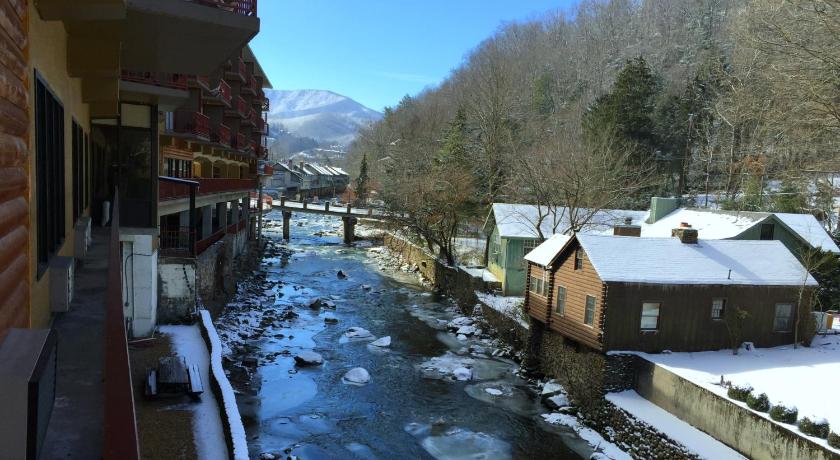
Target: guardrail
[[120, 426], [191, 122], [243, 7], [164, 80], [168, 190]]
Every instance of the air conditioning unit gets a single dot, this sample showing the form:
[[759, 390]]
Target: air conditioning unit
[[61, 284], [82, 237], [27, 391]]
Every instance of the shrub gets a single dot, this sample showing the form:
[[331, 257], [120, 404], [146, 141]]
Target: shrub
[[784, 414], [739, 393], [760, 403], [814, 426], [834, 440]]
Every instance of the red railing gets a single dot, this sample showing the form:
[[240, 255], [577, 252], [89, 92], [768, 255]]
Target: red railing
[[250, 85], [238, 227], [243, 7], [240, 142], [203, 81], [171, 191], [224, 92], [164, 80], [175, 241], [242, 107], [202, 245], [220, 134], [119, 426], [191, 122]]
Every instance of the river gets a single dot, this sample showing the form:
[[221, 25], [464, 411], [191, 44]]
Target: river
[[412, 407]]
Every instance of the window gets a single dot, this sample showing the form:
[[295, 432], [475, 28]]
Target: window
[[49, 172], [81, 173], [766, 231], [784, 317], [578, 259], [528, 246], [589, 314], [173, 167], [539, 286], [650, 316], [561, 300], [718, 308]]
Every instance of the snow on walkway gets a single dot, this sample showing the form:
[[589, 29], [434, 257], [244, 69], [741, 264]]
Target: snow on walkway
[[695, 440], [804, 377], [208, 430]]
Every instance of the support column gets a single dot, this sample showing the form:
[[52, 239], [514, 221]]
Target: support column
[[349, 229], [534, 345], [206, 221], [287, 217], [221, 211], [234, 213]]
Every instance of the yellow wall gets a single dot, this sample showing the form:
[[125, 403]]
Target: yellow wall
[[48, 55]]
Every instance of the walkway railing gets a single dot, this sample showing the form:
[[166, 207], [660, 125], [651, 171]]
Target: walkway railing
[[171, 191], [120, 426], [243, 7]]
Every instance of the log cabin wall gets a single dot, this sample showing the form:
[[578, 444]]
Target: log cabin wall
[[14, 169], [685, 318]]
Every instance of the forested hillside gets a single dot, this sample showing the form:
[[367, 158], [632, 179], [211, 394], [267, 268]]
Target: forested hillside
[[733, 100]]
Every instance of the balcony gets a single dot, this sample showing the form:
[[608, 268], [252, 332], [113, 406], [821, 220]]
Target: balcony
[[236, 68], [243, 7], [176, 241], [174, 191], [250, 116], [163, 80], [220, 134], [250, 86], [221, 95], [192, 123], [240, 142]]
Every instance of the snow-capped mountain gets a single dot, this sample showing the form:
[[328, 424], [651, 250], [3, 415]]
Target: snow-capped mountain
[[325, 116]]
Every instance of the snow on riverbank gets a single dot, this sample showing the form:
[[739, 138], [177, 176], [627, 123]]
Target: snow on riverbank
[[508, 306], [802, 377], [589, 435], [208, 430], [695, 440], [237, 430]]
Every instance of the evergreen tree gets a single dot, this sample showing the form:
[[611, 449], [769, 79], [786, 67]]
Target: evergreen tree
[[454, 150], [362, 182], [542, 99]]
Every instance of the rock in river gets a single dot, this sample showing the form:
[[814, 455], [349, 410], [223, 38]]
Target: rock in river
[[356, 376], [382, 342], [308, 358], [358, 333]]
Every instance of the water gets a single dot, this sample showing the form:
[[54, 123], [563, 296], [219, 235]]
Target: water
[[412, 407]]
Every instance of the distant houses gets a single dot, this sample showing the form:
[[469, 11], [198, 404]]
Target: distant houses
[[682, 293], [511, 230], [304, 180]]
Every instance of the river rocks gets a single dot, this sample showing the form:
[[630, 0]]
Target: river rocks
[[356, 376], [557, 402], [358, 333], [366, 287], [382, 342], [459, 322], [267, 456], [341, 275], [329, 318], [551, 388], [314, 302], [493, 391], [462, 374], [328, 304], [466, 330], [309, 358]]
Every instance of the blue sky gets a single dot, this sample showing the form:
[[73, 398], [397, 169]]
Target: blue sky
[[377, 51]]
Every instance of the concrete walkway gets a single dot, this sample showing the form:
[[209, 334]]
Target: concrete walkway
[[75, 428]]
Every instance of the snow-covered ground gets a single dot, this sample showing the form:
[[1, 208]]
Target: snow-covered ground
[[207, 423], [695, 440], [508, 306], [591, 436], [804, 377]]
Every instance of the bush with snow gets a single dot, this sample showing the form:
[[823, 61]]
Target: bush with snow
[[784, 414], [739, 392], [758, 403], [834, 440], [814, 426]]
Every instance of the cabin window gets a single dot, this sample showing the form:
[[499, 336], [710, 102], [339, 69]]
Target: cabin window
[[528, 246], [783, 321], [589, 314], [718, 308], [539, 286], [650, 316], [766, 231], [561, 300], [578, 259], [49, 173]]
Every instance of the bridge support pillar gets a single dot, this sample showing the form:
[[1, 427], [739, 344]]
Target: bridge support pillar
[[287, 217], [349, 229]]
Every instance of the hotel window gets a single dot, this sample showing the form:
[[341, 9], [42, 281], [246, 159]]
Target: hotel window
[[718, 308], [49, 172], [589, 314], [539, 286], [783, 322], [650, 316], [561, 300], [579, 259]]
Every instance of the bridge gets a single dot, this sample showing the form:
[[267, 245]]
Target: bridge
[[349, 215]]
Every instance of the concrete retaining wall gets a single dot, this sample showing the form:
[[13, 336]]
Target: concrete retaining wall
[[740, 428], [177, 282]]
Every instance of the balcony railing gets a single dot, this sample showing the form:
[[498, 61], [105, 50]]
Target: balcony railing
[[221, 94], [202, 81], [220, 134], [172, 191], [250, 85], [191, 122], [240, 142], [242, 107], [175, 241], [243, 7], [164, 80], [236, 68]]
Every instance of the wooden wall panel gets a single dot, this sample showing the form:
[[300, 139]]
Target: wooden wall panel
[[14, 182]]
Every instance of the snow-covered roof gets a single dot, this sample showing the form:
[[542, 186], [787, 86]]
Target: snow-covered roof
[[520, 220], [630, 259], [545, 253], [711, 224], [810, 230]]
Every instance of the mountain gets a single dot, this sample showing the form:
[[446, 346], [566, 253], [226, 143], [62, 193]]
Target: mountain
[[324, 116]]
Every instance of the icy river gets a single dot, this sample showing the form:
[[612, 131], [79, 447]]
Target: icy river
[[414, 406]]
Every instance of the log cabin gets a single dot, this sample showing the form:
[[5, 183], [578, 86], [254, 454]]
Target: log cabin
[[625, 293]]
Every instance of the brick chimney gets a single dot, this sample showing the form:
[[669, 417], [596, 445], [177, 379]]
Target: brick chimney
[[627, 228], [685, 233]]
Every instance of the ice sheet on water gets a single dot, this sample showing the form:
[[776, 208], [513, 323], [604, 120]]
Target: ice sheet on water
[[507, 395], [455, 443]]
